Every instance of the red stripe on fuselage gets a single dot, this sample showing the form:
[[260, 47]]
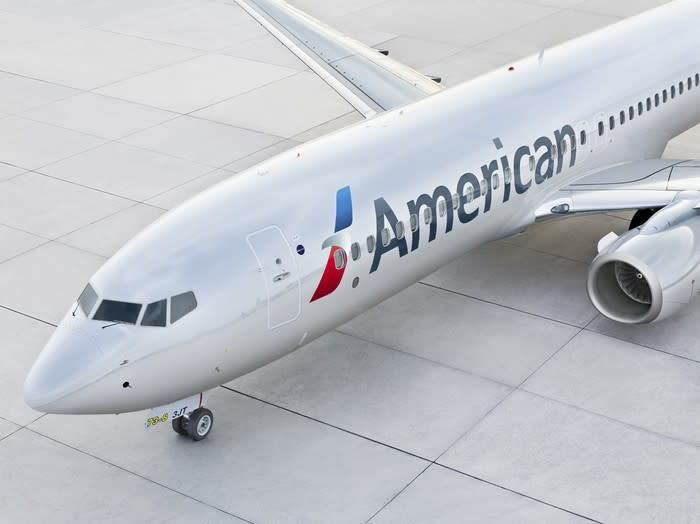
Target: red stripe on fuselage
[[331, 276]]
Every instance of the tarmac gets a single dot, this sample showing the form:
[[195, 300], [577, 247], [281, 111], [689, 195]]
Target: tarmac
[[492, 391]]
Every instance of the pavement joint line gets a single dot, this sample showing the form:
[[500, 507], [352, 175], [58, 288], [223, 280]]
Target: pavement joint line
[[424, 359], [509, 242], [27, 315], [398, 494], [658, 350], [496, 485], [492, 303], [133, 473], [498, 404], [389, 446]]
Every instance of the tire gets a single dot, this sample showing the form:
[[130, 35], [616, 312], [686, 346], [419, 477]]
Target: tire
[[199, 424], [178, 427]]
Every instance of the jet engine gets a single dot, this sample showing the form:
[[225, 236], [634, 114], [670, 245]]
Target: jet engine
[[650, 272]]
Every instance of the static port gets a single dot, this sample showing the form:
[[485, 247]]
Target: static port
[[126, 385]]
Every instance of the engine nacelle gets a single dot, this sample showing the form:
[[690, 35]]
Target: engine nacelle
[[650, 273]]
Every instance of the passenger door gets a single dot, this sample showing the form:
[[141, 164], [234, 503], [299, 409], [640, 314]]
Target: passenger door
[[278, 267]]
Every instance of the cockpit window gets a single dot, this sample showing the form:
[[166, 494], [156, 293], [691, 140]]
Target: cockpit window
[[87, 299], [155, 314], [113, 311], [181, 305]]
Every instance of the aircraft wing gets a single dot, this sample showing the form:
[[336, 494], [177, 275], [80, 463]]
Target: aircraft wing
[[370, 81], [637, 185]]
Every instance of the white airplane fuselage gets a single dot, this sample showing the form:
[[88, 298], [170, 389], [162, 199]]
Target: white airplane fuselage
[[251, 249]]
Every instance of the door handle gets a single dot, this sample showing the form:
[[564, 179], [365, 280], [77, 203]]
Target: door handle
[[281, 276]]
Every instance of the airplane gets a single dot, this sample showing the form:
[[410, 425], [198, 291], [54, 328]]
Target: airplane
[[275, 257]]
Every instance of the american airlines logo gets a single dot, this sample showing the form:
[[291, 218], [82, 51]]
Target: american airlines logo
[[548, 160], [333, 273], [537, 163]]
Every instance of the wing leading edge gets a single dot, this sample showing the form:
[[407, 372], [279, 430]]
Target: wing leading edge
[[368, 80]]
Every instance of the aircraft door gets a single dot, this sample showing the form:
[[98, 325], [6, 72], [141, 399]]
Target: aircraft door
[[278, 267]]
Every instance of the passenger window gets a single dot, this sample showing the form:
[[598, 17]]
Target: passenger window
[[455, 201], [414, 223], [623, 116], [484, 186], [355, 251], [681, 88], [583, 140], [631, 113], [155, 314], [697, 80], [428, 216], [112, 311], [469, 194], [601, 129], [532, 160], [507, 176], [673, 92], [564, 147], [648, 104], [442, 208], [657, 100], [665, 96], [340, 259], [690, 83], [181, 305], [612, 123], [554, 151], [371, 244], [400, 230], [87, 299], [386, 237], [495, 181], [640, 109]]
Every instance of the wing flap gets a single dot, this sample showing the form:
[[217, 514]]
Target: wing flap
[[370, 81]]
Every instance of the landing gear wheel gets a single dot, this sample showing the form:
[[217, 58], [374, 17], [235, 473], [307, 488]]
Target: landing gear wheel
[[198, 424], [641, 217], [178, 428]]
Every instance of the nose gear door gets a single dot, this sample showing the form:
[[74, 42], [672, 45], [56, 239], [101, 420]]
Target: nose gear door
[[279, 270]]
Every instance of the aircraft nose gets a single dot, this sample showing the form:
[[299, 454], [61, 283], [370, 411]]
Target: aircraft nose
[[67, 363]]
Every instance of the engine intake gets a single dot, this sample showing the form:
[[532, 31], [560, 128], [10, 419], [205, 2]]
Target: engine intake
[[650, 272]]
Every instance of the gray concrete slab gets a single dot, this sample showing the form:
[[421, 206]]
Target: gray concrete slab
[[7, 428], [376, 392], [45, 281], [641, 387], [262, 463], [14, 242], [99, 115], [89, 58], [21, 340], [463, 333], [8, 171], [526, 280], [18, 93], [106, 236], [203, 141], [50, 482], [588, 464], [186, 86], [209, 26], [286, 112], [178, 195], [127, 171], [443, 496], [31, 145], [55, 207]]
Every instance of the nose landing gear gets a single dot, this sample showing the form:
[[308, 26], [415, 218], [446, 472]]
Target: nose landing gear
[[196, 425]]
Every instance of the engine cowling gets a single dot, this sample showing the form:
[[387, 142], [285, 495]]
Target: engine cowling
[[649, 273]]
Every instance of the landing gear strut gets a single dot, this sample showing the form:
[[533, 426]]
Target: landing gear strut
[[197, 425]]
